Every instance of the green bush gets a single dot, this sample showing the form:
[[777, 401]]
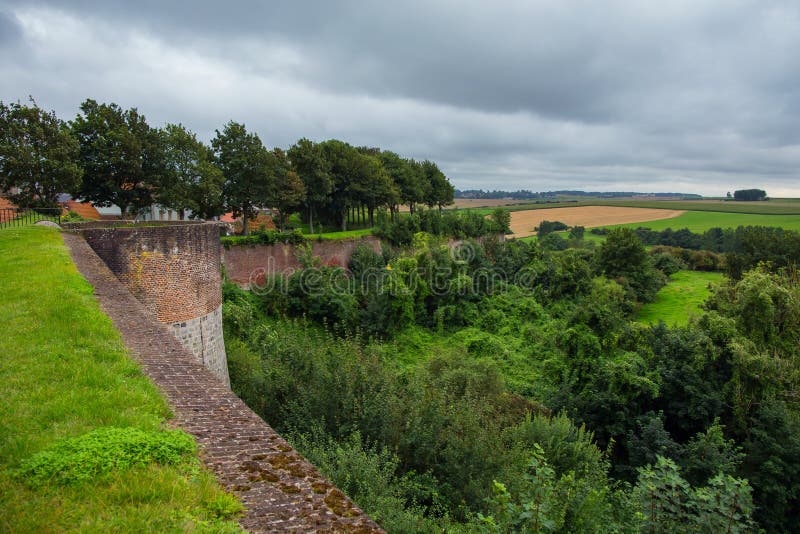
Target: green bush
[[268, 237], [101, 451]]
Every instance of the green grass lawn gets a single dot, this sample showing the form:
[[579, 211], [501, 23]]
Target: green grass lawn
[[680, 298], [700, 221], [64, 372]]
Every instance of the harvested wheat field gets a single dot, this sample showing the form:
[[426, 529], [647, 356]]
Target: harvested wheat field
[[524, 223]]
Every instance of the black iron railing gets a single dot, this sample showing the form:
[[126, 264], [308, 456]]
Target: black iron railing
[[13, 217]]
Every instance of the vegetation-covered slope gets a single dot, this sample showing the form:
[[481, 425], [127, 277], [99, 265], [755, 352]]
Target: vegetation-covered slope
[[76, 410], [510, 387]]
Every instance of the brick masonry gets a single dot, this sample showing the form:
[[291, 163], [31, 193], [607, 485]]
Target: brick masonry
[[281, 490], [174, 271], [245, 261]]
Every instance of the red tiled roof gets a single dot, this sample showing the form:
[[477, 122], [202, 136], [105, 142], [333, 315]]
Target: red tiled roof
[[84, 209], [5, 203]]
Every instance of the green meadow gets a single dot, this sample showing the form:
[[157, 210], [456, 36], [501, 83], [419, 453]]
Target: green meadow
[[700, 221], [71, 397], [680, 299]]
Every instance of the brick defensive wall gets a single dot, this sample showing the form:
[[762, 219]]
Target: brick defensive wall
[[174, 271]]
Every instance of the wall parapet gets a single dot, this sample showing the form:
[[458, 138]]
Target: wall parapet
[[173, 269]]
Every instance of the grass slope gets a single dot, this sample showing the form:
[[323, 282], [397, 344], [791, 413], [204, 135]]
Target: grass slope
[[64, 371], [680, 298]]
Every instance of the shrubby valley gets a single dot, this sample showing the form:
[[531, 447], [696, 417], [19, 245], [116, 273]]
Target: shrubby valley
[[504, 386]]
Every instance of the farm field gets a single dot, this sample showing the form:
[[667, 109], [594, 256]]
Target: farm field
[[700, 221], [771, 207], [782, 206], [680, 299], [523, 223]]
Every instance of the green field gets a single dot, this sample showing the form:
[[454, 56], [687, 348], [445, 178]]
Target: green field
[[700, 221], [680, 298], [782, 206], [64, 371]]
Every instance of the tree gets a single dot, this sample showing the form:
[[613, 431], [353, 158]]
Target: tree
[[342, 159], [207, 193], [371, 185], [314, 170], [248, 168], [289, 191], [121, 156], [192, 181], [407, 180], [441, 191], [37, 155], [623, 255], [750, 194], [502, 219]]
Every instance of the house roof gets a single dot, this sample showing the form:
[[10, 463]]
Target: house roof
[[5, 203], [84, 209]]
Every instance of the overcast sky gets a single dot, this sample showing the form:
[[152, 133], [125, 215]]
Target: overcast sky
[[693, 96]]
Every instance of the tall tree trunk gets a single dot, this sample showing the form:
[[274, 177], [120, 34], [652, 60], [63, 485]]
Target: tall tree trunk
[[182, 214], [371, 219], [344, 220], [310, 220], [245, 221]]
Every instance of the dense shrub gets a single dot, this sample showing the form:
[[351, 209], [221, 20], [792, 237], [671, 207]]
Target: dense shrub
[[102, 451], [267, 237], [451, 223], [547, 227]]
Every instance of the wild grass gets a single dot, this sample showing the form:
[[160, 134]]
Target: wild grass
[[64, 372], [680, 299]]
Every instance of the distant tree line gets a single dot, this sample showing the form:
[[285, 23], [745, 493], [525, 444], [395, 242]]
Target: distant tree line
[[750, 195], [524, 194], [111, 156]]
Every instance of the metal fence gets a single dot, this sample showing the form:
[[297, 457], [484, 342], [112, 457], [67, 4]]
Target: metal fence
[[14, 217]]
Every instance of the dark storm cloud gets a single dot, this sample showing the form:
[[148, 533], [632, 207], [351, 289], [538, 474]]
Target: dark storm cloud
[[505, 94], [9, 31]]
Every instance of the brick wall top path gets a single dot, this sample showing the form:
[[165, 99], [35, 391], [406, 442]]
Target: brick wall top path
[[280, 489]]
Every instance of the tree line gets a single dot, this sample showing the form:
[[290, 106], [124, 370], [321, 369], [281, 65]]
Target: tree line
[[111, 156]]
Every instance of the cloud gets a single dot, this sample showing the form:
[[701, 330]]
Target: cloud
[[9, 30], [540, 95]]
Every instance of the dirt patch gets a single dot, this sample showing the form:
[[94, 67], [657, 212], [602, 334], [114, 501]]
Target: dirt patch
[[523, 223]]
